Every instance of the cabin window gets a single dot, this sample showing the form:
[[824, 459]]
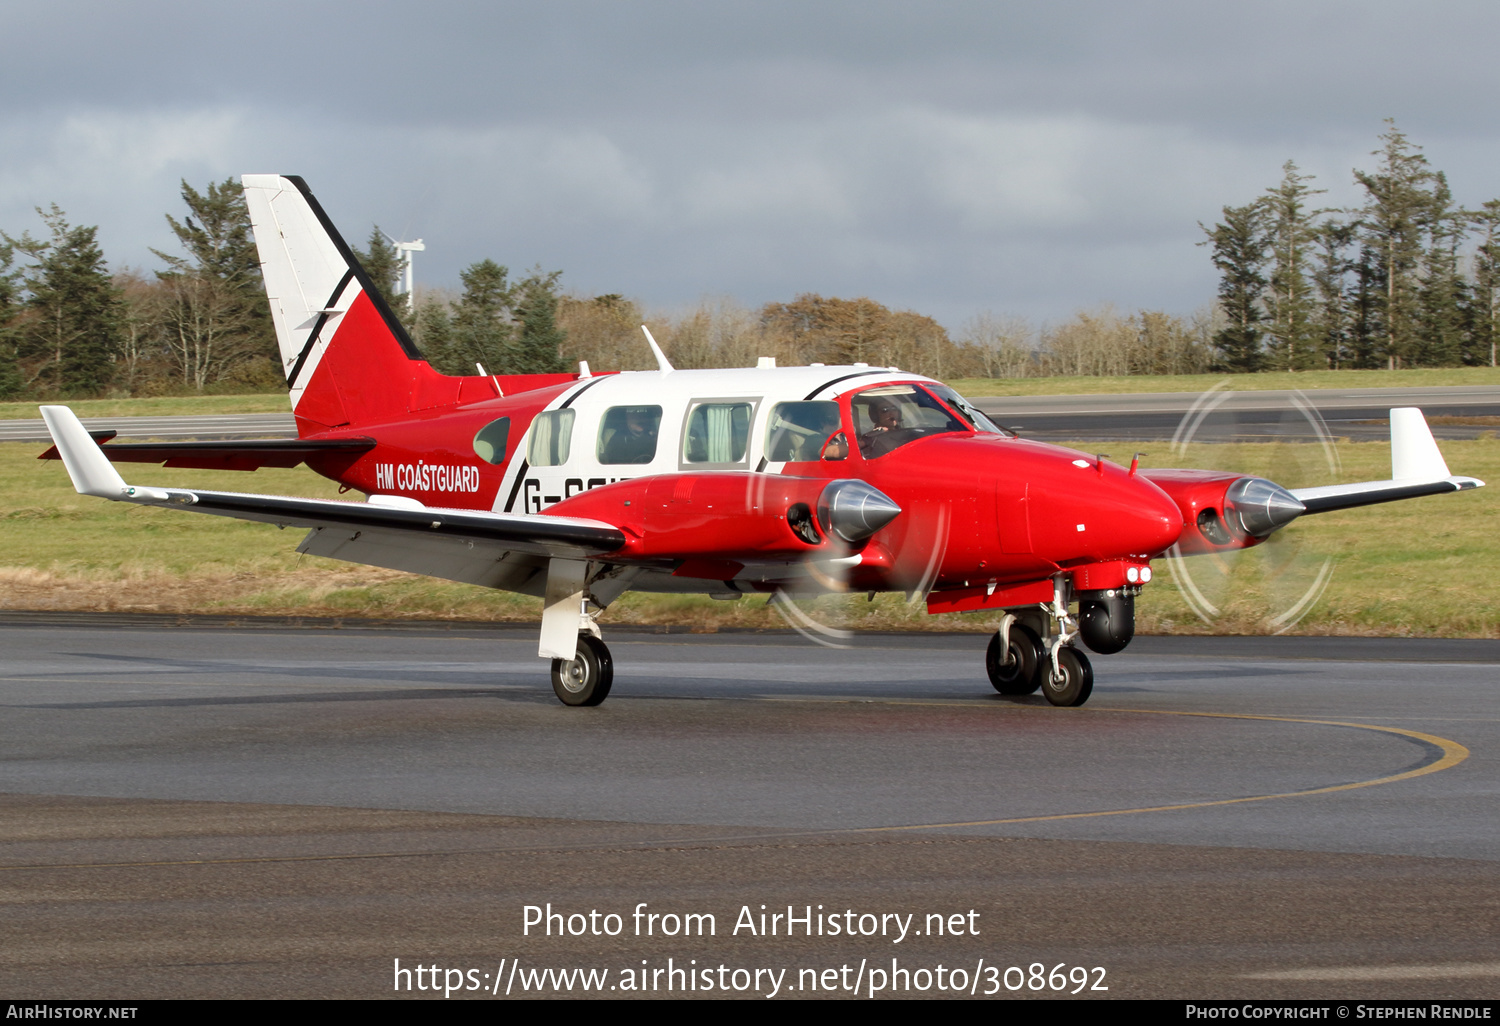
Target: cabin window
[[489, 444], [797, 431], [627, 434], [890, 416], [717, 433], [551, 437]]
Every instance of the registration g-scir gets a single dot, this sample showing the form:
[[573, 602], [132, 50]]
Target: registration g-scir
[[781, 481]]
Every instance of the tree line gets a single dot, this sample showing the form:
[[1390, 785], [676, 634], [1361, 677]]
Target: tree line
[[1386, 284], [71, 328]]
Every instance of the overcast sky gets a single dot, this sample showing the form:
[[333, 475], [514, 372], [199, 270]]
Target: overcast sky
[[1020, 158]]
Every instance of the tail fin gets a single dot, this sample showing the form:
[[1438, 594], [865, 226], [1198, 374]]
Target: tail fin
[[348, 361]]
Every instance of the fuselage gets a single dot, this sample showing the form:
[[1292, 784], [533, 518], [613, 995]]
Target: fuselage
[[981, 510]]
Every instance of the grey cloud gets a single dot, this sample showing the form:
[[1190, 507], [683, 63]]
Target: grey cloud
[[953, 157]]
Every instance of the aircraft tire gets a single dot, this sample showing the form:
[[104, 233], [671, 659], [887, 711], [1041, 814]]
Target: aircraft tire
[[587, 677], [1077, 681], [1019, 674]]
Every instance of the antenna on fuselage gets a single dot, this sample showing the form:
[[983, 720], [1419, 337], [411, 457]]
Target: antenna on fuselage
[[661, 357]]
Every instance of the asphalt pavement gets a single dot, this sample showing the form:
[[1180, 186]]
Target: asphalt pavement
[[245, 808]]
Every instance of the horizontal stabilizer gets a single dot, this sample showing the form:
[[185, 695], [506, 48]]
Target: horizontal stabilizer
[[1417, 469], [237, 455]]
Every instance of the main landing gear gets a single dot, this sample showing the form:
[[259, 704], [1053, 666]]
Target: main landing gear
[[1019, 662], [587, 677]]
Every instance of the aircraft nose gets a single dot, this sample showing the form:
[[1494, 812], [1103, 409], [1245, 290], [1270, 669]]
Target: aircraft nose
[[1153, 522]]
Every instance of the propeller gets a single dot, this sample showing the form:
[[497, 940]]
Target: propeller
[[1276, 583], [822, 610]]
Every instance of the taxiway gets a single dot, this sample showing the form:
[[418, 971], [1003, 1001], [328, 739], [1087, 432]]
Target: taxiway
[[253, 808]]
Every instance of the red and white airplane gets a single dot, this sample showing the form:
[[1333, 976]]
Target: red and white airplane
[[578, 487]]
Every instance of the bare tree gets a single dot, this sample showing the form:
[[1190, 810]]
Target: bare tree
[[1004, 346]]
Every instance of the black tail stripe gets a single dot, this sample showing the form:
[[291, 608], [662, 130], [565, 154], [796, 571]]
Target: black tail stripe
[[312, 338], [391, 321]]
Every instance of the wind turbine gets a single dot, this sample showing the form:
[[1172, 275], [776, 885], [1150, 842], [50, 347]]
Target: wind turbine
[[405, 250]]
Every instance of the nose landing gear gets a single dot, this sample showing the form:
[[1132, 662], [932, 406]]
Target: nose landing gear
[[1020, 660]]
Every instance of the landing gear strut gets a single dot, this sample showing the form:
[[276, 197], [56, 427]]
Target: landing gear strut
[[586, 678], [1039, 653]]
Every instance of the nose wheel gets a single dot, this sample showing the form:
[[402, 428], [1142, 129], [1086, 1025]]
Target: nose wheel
[[586, 678], [1072, 683]]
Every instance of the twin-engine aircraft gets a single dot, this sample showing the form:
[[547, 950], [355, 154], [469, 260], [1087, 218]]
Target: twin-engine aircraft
[[792, 480]]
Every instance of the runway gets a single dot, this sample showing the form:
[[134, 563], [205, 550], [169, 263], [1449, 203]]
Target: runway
[[213, 809], [1358, 413]]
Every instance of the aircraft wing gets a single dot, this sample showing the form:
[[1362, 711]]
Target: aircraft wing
[[1417, 469], [540, 535]]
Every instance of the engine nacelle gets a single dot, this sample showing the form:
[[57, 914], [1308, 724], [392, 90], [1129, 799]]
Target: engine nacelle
[[1224, 511]]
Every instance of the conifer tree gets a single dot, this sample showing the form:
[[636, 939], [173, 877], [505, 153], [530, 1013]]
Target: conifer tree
[[481, 331], [538, 348], [1330, 270], [10, 371], [1399, 199], [68, 331], [382, 262], [1442, 336], [1486, 293], [1239, 244], [1289, 301]]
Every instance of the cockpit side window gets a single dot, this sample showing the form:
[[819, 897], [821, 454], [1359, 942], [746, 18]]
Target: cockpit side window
[[796, 431], [890, 416]]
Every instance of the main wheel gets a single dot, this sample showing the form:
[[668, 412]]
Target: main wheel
[[1076, 683], [586, 678], [1014, 671]]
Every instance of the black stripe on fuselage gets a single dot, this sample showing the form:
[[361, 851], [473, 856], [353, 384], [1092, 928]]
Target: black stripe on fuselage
[[515, 489], [312, 338], [827, 385]]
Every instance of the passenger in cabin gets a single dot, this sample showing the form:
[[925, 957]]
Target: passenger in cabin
[[634, 441]]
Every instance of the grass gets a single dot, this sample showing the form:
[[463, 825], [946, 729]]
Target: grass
[[156, 406], [1426, 567]]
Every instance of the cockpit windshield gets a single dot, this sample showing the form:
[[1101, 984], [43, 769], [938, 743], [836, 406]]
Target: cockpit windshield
[[968, 411], [887, 417]]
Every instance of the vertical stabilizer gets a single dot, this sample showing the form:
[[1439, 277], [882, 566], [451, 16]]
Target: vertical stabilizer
[[346, 357]]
